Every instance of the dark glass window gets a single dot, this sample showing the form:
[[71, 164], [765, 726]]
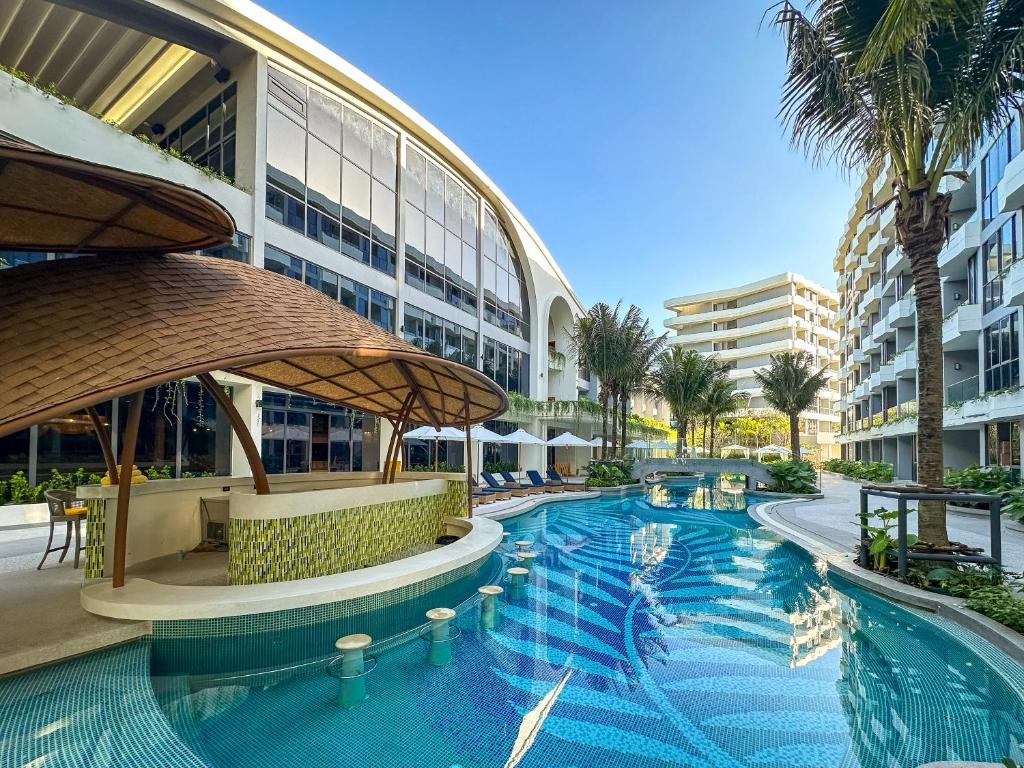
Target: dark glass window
[[1002, 357], [382, 310], [276, 260], [508, 367], [440, 337], [205, 434], [1002, 441], [504, 291], [17, 258], [324, 280], [239, 249], [993, 166], [998, 253], [208, 135]]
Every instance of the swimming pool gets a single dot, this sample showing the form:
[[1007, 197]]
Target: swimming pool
[[648, 635]]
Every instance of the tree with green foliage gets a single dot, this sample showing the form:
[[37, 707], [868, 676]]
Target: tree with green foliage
[[916, 83], [720, 399], [790, 385], [680, 378]]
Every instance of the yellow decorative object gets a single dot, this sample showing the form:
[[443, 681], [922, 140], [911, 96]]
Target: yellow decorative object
[[137, 476], [75, 510]]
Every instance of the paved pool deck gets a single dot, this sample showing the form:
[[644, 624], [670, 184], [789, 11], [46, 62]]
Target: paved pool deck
[[832, 521]]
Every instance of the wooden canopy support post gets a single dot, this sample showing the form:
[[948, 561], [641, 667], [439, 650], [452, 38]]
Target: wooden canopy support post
[[104, 437], [124, 486], [252, 454], [395, 444], [469, 457]]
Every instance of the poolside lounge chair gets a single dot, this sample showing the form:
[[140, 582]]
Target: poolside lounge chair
[[515, 489], [510, 481], [498, 494], [539, 484], [483, 497], [554, 477]]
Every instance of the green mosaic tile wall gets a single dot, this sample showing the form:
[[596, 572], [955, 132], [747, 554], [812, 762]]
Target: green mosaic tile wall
[[95, 532], [266, 551]]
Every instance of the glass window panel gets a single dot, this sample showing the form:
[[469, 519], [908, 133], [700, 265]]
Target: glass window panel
[[490, 236], [325, 117], [281, 263], [515, 294], [357, 141], [415, 234], [297, 442], [415, 177], [355, 245], [355, 197], [273, 431], [289, 90], [193, 134], [383, 207], [502, 252], [489, 279], [362, 299], [286, 153], [323, 175], [501, 288], [340, 440], [382, 310], [452, 205], [412, 325], [382, 258], [435, 192], [435, 284], [435, 246], [275, 205], [452, 341], [347, 293], [205, 435], [469, 205], [452, 257], [513, 370], [501, 366], [323, 229], [468, 266], [469, 348], [385, 157], [323, 280], [433, 332]]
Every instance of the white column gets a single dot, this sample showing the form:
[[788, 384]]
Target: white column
[[245, 398]]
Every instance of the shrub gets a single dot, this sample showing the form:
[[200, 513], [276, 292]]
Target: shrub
[[158, 473], [608, 474], [444, 466], [981, 479], [792, 476], [18, 489], [500, 466], [872, 471], [999, 604]]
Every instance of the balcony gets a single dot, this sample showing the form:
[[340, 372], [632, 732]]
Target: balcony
[[1013, 284], [896, 263], [1011, 188], [961, 327], [962, 244], [859, 356], [905, 364], [887, 220], [876, 245], [902, 314], [872, 298], [862, 390], [883, 329], [962, 391]]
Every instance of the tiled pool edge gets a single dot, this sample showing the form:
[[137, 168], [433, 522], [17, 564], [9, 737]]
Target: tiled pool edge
[[951, 608]]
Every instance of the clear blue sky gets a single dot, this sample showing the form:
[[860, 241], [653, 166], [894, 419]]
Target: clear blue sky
[[639, 139]]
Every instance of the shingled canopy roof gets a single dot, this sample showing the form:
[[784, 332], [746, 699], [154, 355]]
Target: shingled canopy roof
[[60, 204], [81, 331]]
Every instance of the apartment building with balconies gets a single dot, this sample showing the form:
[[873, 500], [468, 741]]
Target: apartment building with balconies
[[982, 295], [746, 324]]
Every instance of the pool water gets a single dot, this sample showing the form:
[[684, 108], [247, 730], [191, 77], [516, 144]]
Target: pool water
[[652, 632]]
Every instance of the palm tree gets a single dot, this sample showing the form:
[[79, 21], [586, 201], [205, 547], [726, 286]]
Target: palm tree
[[679, 378], [638, 349], [917, 83], [721, 399], [593, 342], [790, 385]]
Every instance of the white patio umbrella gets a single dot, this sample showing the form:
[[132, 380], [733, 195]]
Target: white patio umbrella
[[734, 448], [520, 438], [568, 440], [431, 433], [596, 442], [640, 445], [771, 448]]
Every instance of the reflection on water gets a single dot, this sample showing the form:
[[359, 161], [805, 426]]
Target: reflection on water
[[653, 632], [721, 493]]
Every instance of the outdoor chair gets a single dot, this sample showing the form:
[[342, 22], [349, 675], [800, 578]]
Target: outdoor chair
[[64, 508], [492, 484], [539, 484], [557, 478], [496, 493], [510, 481]]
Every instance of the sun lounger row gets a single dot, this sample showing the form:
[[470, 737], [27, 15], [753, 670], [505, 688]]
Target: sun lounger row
[[496, 490]]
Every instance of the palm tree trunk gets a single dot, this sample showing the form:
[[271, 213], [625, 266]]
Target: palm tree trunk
[[604, 425], [712, 437], [704, 437], [625, 418], [693, 433], [794, 435], [921, 230], [615, 418], [680, 434]]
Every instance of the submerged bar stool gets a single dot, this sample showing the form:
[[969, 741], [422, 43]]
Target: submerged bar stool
[[526, 559], [439, 636], [489, 605], [351, 668], [518, 576]]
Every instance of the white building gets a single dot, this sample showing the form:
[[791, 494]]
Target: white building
[[331, 179], [982, 292], [746, 324]]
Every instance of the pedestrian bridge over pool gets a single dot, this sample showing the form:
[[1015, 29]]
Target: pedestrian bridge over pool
[[754, 471]]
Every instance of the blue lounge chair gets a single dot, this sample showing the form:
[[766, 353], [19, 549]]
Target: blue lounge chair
[[497, 493], [511, 481], [554, 477], [539, 484], [515, 489]]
